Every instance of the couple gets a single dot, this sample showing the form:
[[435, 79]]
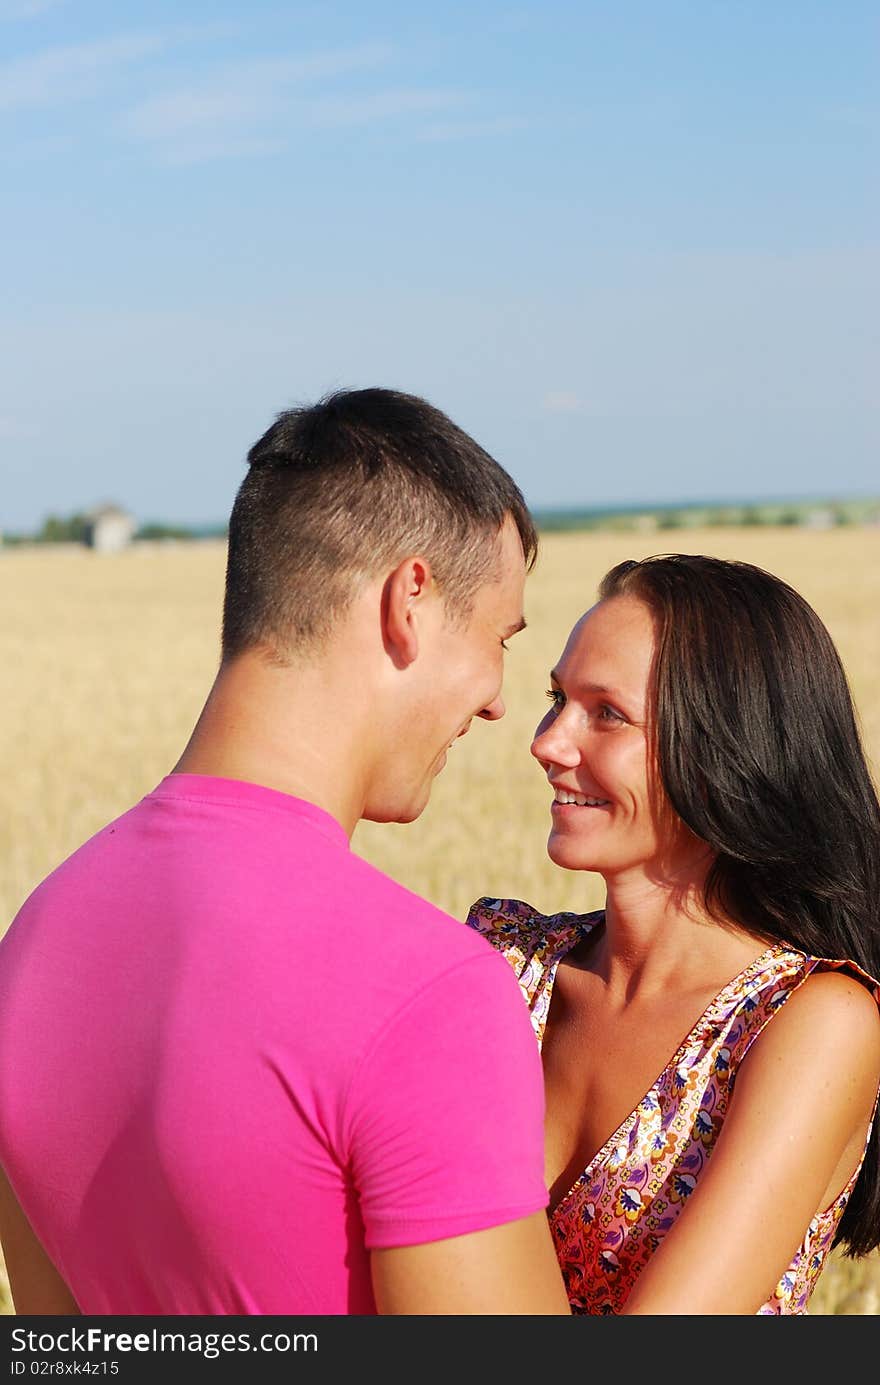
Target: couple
[[243, 1072]]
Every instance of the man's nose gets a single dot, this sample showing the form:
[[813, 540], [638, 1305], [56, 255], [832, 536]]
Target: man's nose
[[493, 710]]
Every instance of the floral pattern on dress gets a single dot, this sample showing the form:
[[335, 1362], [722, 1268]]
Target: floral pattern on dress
[[617, 1212]]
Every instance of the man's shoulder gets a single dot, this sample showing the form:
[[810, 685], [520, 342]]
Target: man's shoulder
[[79, 863], [411, 921]]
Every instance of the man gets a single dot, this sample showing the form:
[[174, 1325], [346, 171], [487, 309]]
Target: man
[[241, 1071]]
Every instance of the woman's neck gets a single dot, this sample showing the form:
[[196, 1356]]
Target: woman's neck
[[660, 933]]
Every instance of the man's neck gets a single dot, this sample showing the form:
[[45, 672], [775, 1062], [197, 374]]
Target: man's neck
[[284, 728]]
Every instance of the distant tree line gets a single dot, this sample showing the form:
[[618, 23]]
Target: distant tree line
[[74, 529], [165, 531], [58, 530], [814, 513], [54, 529]]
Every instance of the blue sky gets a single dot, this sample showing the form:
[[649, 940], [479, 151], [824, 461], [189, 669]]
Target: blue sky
[[633, 248]]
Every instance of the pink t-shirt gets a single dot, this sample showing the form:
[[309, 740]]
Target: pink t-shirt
[[234, 1057]]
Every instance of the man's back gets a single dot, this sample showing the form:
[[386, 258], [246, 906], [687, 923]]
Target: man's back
[[235, 1059]]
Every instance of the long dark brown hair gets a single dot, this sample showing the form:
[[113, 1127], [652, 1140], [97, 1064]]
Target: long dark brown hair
[[758, 750]]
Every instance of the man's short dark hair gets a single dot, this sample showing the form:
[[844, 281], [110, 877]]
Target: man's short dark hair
[[336, 491]]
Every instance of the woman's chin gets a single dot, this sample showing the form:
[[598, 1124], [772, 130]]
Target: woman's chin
[[568, 854]]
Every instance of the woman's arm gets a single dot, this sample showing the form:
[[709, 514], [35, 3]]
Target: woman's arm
[[35, 1284], [792, 1136], [506, 1269]]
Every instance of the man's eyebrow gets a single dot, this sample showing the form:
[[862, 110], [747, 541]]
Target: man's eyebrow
[[515, 629]]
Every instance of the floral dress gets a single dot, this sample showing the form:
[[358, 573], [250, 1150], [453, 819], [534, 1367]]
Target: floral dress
[[615, 1215]]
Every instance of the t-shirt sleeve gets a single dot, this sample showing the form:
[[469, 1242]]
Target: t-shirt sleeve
[[444, 1117]]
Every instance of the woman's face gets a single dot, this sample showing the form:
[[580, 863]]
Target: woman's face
[[593, 745]]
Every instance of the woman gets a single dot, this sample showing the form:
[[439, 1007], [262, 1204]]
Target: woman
[[704, 758]]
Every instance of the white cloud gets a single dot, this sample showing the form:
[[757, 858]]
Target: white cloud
[[854, 117], [27, 9], [383, 105], [12, 428], [240, 96], [30, 150], [59, 74], [470, 129], [252, 108], [178, 155], [562, 402]]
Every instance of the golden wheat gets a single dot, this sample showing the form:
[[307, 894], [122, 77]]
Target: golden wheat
[[108, 659]]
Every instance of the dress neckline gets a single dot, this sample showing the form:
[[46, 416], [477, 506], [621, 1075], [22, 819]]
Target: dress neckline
[[774, 951]]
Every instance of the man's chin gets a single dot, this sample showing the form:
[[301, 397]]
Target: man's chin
[[392, 809], [397, 812]]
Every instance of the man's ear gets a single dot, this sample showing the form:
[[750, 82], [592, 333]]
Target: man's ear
[[407, 590]]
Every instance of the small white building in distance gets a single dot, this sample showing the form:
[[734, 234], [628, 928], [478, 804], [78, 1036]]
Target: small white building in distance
[[108, 529]]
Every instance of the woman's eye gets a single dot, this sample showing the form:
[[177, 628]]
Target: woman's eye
[[557, 697], [609, 714]]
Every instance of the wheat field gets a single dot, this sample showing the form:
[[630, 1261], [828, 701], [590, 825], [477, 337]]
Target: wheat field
[[107, 660]]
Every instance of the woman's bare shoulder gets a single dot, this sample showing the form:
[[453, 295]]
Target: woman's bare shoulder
[[832, 1015]]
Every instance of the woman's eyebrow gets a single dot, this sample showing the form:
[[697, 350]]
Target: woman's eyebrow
[[598, 688]]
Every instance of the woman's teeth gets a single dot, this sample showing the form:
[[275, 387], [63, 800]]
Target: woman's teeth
[[581, 799]]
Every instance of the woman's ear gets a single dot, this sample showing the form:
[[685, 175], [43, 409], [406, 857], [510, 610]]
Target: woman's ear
[[407, 591]]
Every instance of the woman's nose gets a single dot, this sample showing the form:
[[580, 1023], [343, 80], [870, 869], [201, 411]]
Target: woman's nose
[[551, 744]]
